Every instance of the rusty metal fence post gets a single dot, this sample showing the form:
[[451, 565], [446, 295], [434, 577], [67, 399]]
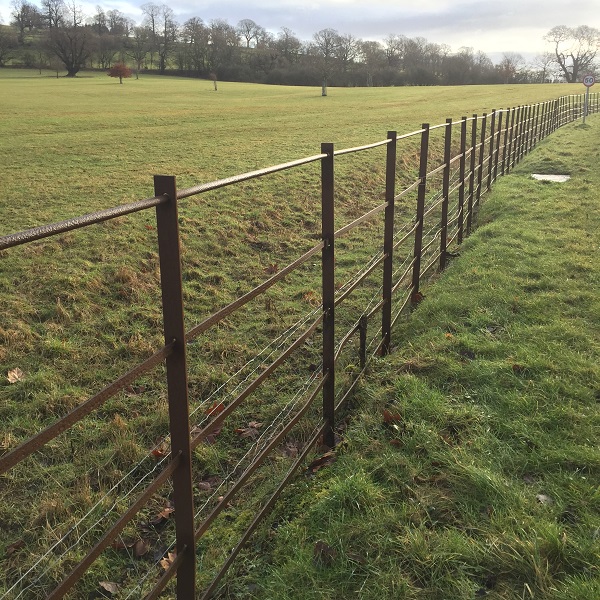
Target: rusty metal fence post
[[445, 195], [179, 421], [505, 144], [511, 138], [472, 174], [462, 170], [416, 272], [328, 283], [488, 184], [388, 242], [480, 161]]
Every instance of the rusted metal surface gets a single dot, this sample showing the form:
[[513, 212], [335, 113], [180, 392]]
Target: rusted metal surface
[[44, 231], [388, 243], [220, 183], [492, 146], [328, 287], [361, 148], [420, 208], [521, 129], [445, 194], [480, 160], [498, 142], [167, 225], [471, 194]]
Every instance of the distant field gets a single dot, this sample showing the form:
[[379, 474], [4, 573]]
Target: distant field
[[65, 142]]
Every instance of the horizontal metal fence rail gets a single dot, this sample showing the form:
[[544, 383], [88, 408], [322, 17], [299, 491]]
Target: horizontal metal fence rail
[[475, 151]]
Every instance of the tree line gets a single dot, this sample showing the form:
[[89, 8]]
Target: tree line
[[57, 34]]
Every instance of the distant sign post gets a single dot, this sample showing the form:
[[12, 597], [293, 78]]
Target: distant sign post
[[588, 81]]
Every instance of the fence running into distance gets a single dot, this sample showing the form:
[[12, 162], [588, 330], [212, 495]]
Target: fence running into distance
[[447, 196]]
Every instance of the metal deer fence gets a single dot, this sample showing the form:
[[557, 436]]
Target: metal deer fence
[[415, 241]]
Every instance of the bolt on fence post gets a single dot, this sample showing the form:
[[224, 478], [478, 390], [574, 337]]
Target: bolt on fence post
[[498, 138], [179, 421], [328, 283], [481, 155], [488, 184], [445, 194], [461, 189], [388, 242], [416, 273], [472, 174]]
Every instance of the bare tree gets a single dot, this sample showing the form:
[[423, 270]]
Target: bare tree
[[542, 66], [25, 16], [169, 31], [72, 45], [325, 46], [575, 49], [53, 12], [510, 66], [372, 55], [395, 49], [250, 31], [151, 17], [288, 44], [74, 13], [137, 46], [196, 35]]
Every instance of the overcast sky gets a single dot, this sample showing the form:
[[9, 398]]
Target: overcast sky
[[491, 26]]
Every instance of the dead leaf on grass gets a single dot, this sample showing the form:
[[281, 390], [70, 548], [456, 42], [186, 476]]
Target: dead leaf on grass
[[391, 417], [323, 461], [12, 548], [140, 548], [109, 586], [168, 560], [544, 499], [252, 431], [15, 375], [291, 450], [324, 554], [214, 409], [163, 516], [123, 543]]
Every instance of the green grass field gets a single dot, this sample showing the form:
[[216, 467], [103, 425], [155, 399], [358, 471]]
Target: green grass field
[[72, 146], [81, 308]]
